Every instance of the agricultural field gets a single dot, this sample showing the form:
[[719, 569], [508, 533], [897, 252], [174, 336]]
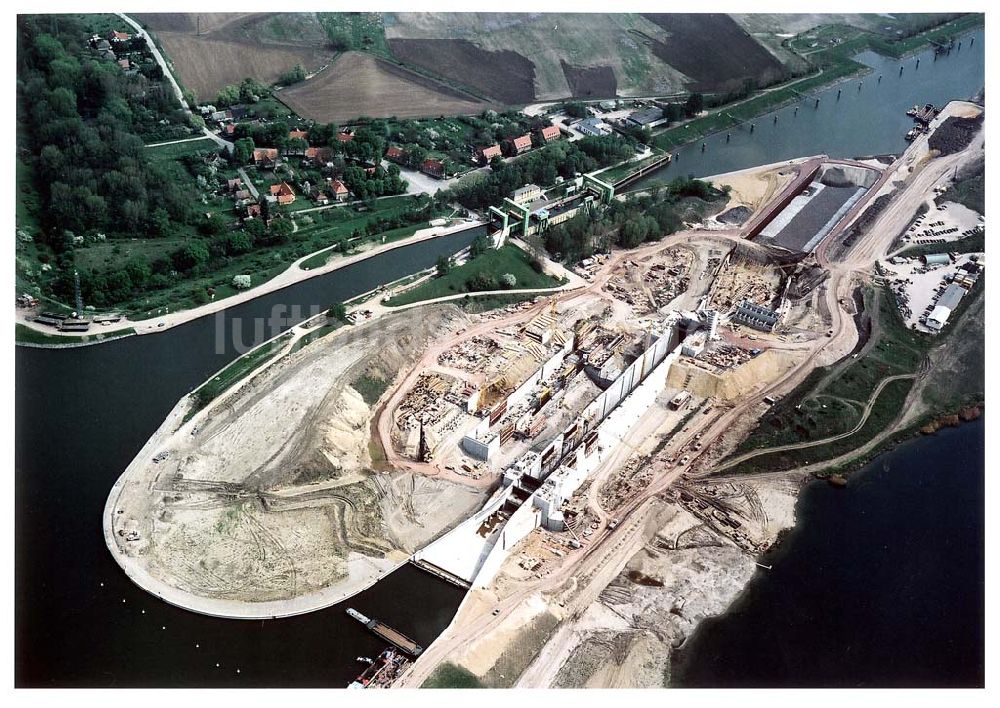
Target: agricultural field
[[232, 47], [694, 48], [360, 84], [502, 47]]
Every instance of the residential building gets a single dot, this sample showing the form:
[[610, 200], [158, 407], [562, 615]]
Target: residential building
[[395, 154], [265, 157], [345, 136], [283, 193], [550, 133], [432, 167], [298, 135], [488, 153], [339, 190], [521, 144]]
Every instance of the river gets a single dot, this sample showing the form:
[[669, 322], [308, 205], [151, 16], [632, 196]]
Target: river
[[869, 121], [83, 413], [881, 583]]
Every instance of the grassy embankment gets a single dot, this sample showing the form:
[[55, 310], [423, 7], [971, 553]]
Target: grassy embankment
[[832, 64], [492, 263], [832, 399], [234, 372], [448, 675]]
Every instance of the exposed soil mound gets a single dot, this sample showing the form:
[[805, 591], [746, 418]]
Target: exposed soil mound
[[954, 135], [590, 81], [715, 52], [735, 216]]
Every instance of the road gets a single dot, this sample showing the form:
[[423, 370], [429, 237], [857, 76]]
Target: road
[[248, 183], [168, 73]]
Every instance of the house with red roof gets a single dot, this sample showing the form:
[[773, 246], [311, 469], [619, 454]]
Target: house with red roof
[[521, 144], [488, 153], [339, 190], [283, 192], [550, 132], [432, 167], [395, 154], [265, 157], [298, 135], [345, 136], [319, 154]]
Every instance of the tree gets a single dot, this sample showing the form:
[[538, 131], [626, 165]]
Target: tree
[[695, 104], [228, 96], [508, 280], [337, 311], [293, 76], [243, 151], [443, 266], [480, 245], [191, 255]]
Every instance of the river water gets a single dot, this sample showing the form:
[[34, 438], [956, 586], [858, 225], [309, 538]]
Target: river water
[[83, 413], [881, 583], [869, 121]]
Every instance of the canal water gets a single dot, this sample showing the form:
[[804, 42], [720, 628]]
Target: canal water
[[881, 584], [869, 121], [83, 413]]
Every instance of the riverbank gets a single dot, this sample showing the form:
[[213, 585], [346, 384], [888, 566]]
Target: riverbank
[[837, 68], [290, 276]]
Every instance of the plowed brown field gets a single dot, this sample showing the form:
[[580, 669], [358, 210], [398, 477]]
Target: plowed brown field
[[358, 84]]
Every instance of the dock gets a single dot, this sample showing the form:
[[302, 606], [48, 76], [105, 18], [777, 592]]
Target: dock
[[441, 573], [394, 637]]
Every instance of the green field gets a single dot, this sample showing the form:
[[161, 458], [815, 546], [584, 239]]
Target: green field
[[494, 262], [360, 30], [448, 675], [831, 400], [178, 150]]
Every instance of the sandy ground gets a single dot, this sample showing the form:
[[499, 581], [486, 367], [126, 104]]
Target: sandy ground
[[755, 186], [269, 506]]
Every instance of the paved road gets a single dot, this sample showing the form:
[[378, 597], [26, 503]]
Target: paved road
[[248, 183], [170, 77]]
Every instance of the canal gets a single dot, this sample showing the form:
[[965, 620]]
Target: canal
[[83, 413], [868, 121]]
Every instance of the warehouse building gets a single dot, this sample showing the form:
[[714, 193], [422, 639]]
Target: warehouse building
[[945, 305]]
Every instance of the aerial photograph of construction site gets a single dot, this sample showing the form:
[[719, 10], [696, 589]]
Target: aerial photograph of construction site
[[565, 349]]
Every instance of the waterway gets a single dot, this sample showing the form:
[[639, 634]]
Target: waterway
[[83, 413], [881, 584], [868, 121]]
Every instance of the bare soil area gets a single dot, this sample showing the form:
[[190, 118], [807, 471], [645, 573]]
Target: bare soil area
[[504, 75], [359, 84], [271, 498], [694, 48]]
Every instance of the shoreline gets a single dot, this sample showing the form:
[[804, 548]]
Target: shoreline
[[292, 275]]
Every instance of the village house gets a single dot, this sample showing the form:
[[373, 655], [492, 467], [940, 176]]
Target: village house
[[432, 167], [253, 211], [345, 136], [235, 184], [242, 195], [114, 36], [298, 135], [520, 144], [488, 153], [283, 192], [229, 129], [550, 132], [321, 155], [395, 154], [265, 157], [339, 190]]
